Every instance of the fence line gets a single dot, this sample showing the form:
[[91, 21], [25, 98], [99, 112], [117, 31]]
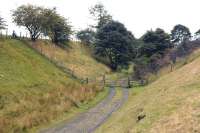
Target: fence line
[[128, 82]]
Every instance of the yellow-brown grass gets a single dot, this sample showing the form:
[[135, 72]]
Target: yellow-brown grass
[[33, 91], [28, 109], [75, 57], [170, 105]]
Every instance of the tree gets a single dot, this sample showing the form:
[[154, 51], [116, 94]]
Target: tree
[[55, 26], [179, 34], [86, 36], [115, 42], [14, 35], [197, 34], [31, 17], [140, 68], [151, 48], [155, 42], [2, 23], [100, 14]]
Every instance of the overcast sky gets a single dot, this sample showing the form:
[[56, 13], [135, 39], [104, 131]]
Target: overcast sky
[[137, 15]]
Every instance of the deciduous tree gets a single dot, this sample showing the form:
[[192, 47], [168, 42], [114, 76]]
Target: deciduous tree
[[155, 42], [179, 34], [114, 41], [55, 26], [86, 36], [30, 17], [100, 14]]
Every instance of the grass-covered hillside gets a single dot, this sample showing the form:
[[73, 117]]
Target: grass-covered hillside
[[171, 104], [33, 91], [75, 57]]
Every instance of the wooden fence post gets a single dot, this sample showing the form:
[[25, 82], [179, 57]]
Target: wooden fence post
[[86, 80], [171, 64], [41, 50], [7, 33], [129, 84], [104, 79]]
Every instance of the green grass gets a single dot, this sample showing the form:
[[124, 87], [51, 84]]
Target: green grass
[[75, 57], [73, 112], [34, 92], [171, 104], [120, 74], [22, 68], [100, 96], [78, 58]]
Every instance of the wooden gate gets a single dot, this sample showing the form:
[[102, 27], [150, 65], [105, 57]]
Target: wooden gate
[[124, 83]]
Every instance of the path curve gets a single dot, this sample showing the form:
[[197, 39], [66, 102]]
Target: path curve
[[89, 121]]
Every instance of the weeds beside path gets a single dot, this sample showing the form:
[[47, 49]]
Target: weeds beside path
[[90, 120]]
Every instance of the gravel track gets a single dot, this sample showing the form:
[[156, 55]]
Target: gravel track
[[89, 121]]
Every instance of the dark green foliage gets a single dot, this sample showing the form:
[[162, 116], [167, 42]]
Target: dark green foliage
[[140, 67], [179, 34], [86, 36], [155, 42], [197, 34], [154, 65], [55, 26], [14, 35], [151, 48], [116, 43]]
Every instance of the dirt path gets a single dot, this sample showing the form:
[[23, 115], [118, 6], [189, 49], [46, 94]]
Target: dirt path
[[87, 122]]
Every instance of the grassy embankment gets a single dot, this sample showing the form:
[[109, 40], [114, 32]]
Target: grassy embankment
[[171, 104], [75, 57], [34, 92]]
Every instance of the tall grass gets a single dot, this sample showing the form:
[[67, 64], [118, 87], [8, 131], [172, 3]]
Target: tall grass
[[33, 92], [170, 104], [75, 57]]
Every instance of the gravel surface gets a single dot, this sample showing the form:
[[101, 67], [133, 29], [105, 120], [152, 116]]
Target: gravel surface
[[87, 122]]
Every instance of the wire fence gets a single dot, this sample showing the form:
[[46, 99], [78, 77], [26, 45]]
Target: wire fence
[[101, 80]]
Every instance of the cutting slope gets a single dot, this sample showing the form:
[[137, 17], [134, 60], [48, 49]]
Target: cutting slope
[[75, 57], [33, 91], [169, 105]]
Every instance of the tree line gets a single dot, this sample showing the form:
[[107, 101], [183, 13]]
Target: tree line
[[109, 40], [39, 20]]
